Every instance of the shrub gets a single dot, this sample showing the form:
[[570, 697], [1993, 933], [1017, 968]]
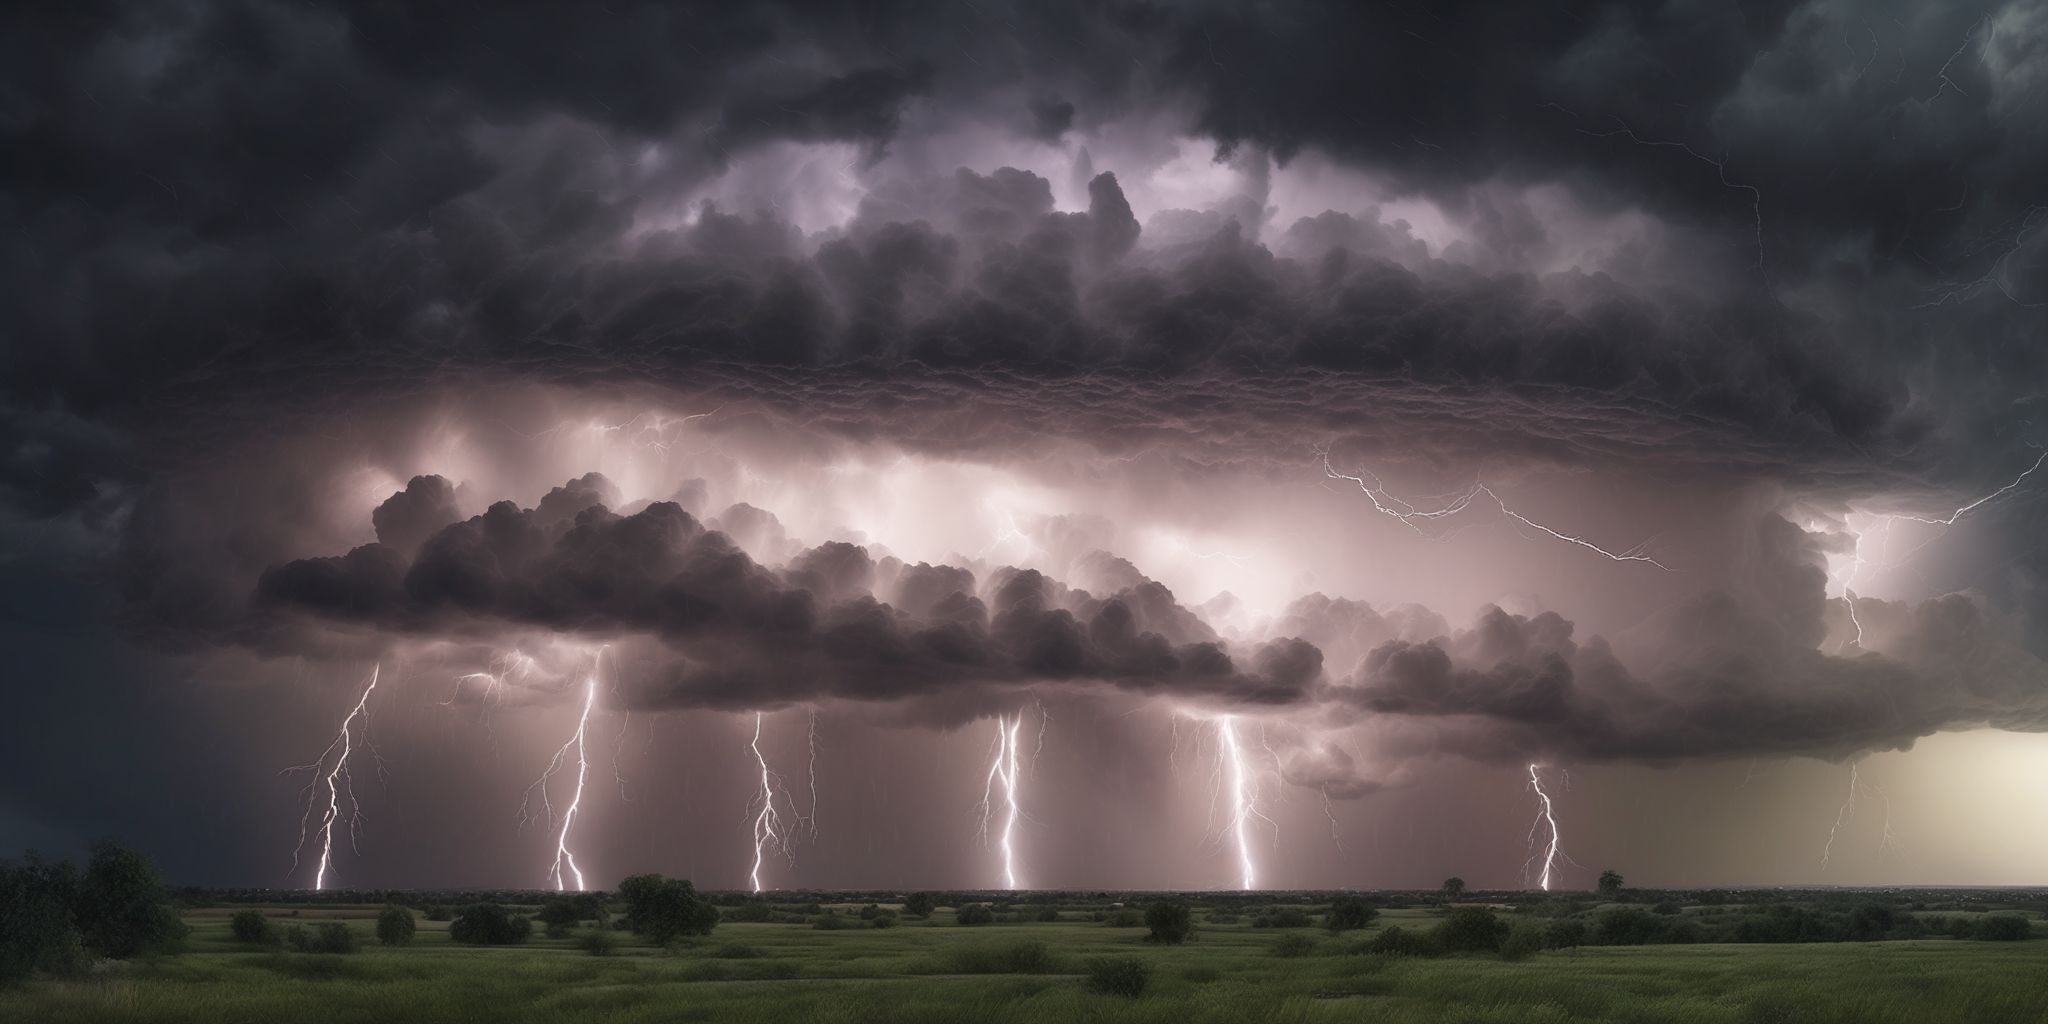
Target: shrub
[[1397, 941], [1047, 914], [1028, 957], [1282, 917], [395, 925], [831, 922], [37, 929], [1523, 940], [438, 912], [2004, 928], [920, 904], [870, 912], [121, 906], [1169, 922], [1961, 927], [885, 919], [666, 909], [975, 913], [490, 924], [1566, 933], [1350, 913], [1471, 930], [325, 937], [1124, 917], [1118, 975], [600, 943], [250, 926], [752, 910], [1627, 926], [560, 914], [1294, 944]]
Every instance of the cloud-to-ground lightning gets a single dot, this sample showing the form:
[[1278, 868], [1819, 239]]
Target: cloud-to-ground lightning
[[1841, 817], [1546, 822], [1244, 805], [1004, 771], [1388, 505], [768, 827], [810, 820], [340, 786], [564, 864]]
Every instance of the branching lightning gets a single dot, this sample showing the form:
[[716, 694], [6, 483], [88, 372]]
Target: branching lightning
[[340, 786], [1546, 822], [768, 827], [1004, 770], [1841, 817], [1412, 517], [564, 864], [1244, 800]]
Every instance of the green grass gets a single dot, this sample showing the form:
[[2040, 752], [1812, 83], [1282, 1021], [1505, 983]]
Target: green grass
[[938, 971]]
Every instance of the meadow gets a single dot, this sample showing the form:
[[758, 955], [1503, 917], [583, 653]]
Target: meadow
[[1017, 971]]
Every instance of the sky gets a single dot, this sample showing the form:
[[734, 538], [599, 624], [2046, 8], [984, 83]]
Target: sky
[[1027, 445]]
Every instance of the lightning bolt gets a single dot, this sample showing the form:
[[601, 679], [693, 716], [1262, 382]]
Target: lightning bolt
[[1546, 821], [1410, 516], [812, 739], [564, 857], [1004, 770], [1244, 800], [340, 787], [1841, 817], [768, 830]]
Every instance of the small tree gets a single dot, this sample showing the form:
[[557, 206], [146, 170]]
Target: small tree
[[666, 909], [490, 924], [122, 906], [1610, 884], [1169, 922], [37, 931], [252, 927], [1523, 940], [920, 904], [1349, 913], [1566, 933], [1471, 930], [395, 925], [325, 937], [974, 913], [560, 915], [1454, 888]]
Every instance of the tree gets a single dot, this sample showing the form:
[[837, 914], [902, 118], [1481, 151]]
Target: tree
[[1566, 933], [1454, 888], [1349, 913], [395, 925], [252, 927], [1471, 930], [560, 914], [37, 930], [325, 937], [490, 924], [666, 909], [1610, 884], [974, 913], [1169, 922], [920, 904], [122, 906]]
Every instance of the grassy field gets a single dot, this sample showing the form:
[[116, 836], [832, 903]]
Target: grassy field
[[938, 971]]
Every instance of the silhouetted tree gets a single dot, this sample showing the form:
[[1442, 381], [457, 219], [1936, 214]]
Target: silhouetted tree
[[920, 904], [252, 927], [666, 909], [1610, 883], [1454, 887], [1471, 930], [37, 929], [123, 908], [1348, 913], [395, 925], [1169, 922], [490, 924]]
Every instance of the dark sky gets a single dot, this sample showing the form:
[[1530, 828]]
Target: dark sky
[[1412, 400]]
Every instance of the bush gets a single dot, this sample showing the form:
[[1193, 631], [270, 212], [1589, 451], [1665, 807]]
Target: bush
[[490, 924], [1047, 914], [438, 912], [600, 943], [251, 927], [1566, 933], [831, 923], [1524, 939], [1282, 917], [122, 908], [920, 904], [975, 913], [1397, 941], [1118, 975], [395, 925], [886, 918], [1029, 957], [1294, 944], [1124, 917], [1627, 926], [1169, 922], [1350, 913], [37, 929], [752, 910], [2004, 928], [325, 937], [666, 909], [1471, 930], [560, 914]]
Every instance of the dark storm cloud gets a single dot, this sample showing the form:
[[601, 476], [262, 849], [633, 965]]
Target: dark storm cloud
[[742, 634]]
